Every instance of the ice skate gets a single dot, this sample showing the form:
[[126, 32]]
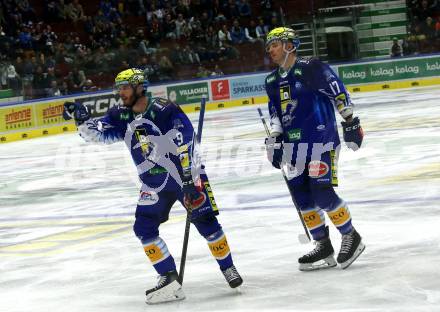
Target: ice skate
[[351, 248], [232, 277], [168, 289], [319, 258]]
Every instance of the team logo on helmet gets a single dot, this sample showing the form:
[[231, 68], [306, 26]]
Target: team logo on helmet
[[132, 76], [283, 34]]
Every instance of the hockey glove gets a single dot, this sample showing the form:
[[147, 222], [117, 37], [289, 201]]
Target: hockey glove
[[193, 196], [274, 150], [353, 133], [77, 111]]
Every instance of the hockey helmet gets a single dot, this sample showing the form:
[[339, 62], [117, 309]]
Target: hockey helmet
[[282, 34], [132, 77]]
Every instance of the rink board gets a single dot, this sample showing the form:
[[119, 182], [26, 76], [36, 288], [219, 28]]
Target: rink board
[[32, 119]]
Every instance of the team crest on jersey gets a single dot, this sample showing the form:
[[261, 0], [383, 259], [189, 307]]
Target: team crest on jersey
[[298, 85], [289, 106], [142, 137], [148, 198], [285, 96]]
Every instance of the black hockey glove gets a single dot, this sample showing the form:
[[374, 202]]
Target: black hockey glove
[[78, 112], [353, 133], [193, 196], [274, 150]]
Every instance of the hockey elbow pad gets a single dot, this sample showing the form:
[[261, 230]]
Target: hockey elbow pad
[[344, 106]]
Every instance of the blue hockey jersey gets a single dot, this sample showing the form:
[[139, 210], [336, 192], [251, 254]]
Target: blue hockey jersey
[[304, 100], [156, 138]]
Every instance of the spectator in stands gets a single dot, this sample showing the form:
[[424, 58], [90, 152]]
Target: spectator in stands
[[238, 35], [396, 48], [217, 71], [424, 11], [154, 30], [14, 81], [25, 38], [29, 67], [211, 43], [2, 16], [64, 89], [224, 36], [76, 79], [105, 6], [437, 28], [166, 68], [202, 72], [205, 20], [25, 9], [428, 29], [232, 11], [39, 83], [19, 66], [54, 90], [251, 33], [180, 25], [190, 56], [89, 86], [61, 10], [418, 39], [169, 27], [261, 29], [267, 7], [244, 8], [176, 54], [75, 11]]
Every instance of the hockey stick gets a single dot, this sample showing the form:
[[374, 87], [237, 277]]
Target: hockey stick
[[197, 140], [302, 238]]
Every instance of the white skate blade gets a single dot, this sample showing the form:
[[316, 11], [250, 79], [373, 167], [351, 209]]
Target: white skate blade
[[326, 263], [356, 254], [171, 292]]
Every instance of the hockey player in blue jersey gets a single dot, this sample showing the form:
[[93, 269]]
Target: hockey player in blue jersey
[[159, 136], [303, 94]]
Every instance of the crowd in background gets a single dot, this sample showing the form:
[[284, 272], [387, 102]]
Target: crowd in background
[[59, 47], [424, 29]]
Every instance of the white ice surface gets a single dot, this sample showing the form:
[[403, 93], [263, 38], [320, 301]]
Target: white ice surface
[[67, 208]]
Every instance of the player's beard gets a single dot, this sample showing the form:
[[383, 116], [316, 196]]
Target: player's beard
[[128, 101]]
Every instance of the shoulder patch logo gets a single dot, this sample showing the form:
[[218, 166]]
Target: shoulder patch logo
[[270, 78]]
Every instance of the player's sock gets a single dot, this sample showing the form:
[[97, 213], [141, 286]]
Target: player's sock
[[340, 216], [220, 250], [160, 257], [315, 222]]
